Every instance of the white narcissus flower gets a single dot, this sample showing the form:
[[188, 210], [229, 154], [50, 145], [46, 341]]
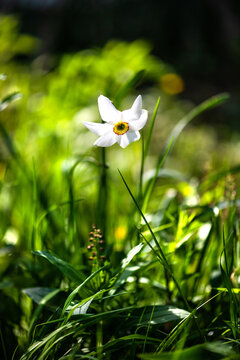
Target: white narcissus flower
[[120, 126]]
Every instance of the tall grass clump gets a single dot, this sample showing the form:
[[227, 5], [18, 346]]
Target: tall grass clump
[[109, 252]]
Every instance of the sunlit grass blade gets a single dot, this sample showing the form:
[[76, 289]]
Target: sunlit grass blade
[[11, 147], [79, 287], [204, 106], [151, 183], [181, 327], [233, 303], [102, 203], [145, 144], [161, 256], [150, 130], [218, 175], [9, 99]]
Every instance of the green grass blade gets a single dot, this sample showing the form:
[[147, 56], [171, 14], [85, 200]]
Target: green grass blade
[[9, 99], [131, 84], [150, 129], [78, 288], [145, 145], [233, 306], [150, 186], [214, 350], [204, 106], [162, 256]]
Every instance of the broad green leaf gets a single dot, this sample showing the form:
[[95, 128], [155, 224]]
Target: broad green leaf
[[66, 269], [215, 350], [158, 314], [37, 294]]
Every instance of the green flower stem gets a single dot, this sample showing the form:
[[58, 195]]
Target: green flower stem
[[102, 195], [99, 339], [141, 172]]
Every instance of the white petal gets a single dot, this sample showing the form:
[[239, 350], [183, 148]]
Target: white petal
[[97, 128], [137, 106], [108, 111], [125, 139], [107, 139], [135, 112], [139, 124]]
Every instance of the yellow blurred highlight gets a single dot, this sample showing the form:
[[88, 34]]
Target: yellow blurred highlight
[[119, 234], [172, 84]]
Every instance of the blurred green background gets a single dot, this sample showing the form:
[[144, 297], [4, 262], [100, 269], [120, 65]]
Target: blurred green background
[[200, 39], [60, 83]]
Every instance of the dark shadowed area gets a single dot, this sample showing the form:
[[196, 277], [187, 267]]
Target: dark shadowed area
[[201, 38]]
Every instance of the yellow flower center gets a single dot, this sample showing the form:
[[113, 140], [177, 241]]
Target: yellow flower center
[[121, 128]]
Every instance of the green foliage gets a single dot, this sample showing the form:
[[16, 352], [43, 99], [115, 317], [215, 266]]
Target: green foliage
[[168, 284]]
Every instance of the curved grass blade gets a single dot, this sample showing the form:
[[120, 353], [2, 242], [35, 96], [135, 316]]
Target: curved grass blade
[[152, 182], [9, 99], [132, 83], [234, 305], [214, 350], [161, 256], [78, 288], [150, 129], [182, 326], [145, 146], [204, 106]]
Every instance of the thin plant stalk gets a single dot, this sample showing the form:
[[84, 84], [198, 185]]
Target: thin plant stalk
[[102, 195], [141, 170]]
